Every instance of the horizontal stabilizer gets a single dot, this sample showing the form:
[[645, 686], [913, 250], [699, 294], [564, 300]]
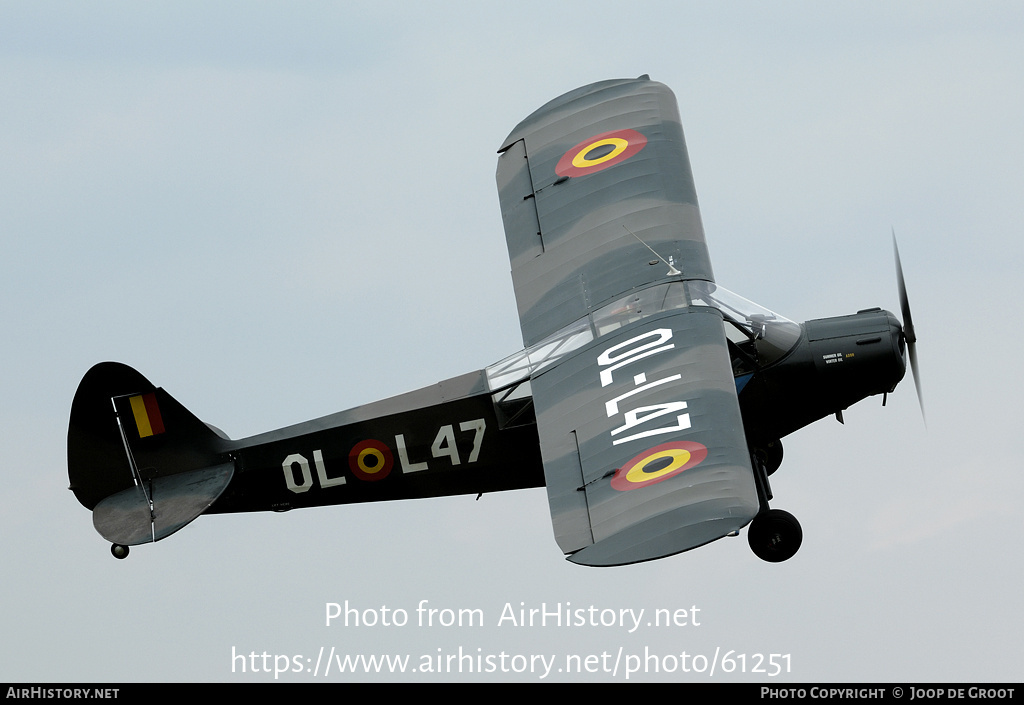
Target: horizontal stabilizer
[[159, 507]]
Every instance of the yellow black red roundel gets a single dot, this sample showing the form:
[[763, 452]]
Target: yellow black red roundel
[[658, 463], [370, 460], [600, 152]]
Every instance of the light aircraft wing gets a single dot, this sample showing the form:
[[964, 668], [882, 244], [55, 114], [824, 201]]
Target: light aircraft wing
[[581, 182], [641, 435]]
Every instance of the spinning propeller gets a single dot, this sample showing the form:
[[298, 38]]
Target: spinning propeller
[[908, 324]]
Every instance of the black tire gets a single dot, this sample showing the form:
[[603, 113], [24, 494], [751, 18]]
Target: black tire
[[118, 551], [775, 536]]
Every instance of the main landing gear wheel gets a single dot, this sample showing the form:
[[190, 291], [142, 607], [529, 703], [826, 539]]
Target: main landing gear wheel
[[118, 551], [775, 535]]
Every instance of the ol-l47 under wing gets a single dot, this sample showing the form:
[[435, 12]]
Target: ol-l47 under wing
[[642, 441], [641, 436]]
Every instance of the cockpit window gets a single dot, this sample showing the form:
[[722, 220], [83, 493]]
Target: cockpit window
[[763, 335], [757, 336]]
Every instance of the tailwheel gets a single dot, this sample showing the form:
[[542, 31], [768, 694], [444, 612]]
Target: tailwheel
[[775, 535], [118, 551]]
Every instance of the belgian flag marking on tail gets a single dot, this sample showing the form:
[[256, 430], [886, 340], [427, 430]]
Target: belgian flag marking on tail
[[147, 414]]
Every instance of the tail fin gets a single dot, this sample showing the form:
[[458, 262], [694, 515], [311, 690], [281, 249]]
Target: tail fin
[[140, 460]]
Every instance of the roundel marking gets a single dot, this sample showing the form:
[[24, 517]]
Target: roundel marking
[[600, 152], [657, 464], [370, 460]]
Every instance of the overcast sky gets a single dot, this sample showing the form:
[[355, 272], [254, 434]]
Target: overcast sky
[[276, 211]]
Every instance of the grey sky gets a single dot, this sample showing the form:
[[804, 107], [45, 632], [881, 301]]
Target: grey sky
[[276, 211]]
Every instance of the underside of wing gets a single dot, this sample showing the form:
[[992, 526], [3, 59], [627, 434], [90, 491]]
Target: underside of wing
[[597, 199], [642, 442], [641, 435]]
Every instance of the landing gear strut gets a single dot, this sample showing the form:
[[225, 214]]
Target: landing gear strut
[[774, 535], [770, 454]]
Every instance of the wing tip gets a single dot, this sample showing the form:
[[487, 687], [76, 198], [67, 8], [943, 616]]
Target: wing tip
[[566, 98]]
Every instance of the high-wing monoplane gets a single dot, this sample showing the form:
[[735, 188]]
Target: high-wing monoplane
[[648, 400]]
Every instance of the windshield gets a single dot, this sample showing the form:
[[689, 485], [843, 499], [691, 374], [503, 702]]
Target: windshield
[[755, 330], [761, 336]]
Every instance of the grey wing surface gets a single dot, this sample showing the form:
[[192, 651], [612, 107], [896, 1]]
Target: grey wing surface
[[641, 436], [584, 183]]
